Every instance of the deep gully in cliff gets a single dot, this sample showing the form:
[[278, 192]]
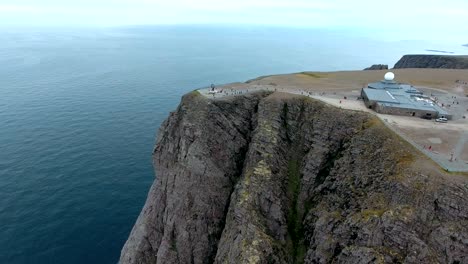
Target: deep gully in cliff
[[297, 210], [297, 247], [240, 161]]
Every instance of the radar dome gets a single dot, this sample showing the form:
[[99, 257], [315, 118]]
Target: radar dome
[[389, 76]]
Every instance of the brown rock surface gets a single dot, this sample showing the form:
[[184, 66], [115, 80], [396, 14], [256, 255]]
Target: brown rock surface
[[276, 178]]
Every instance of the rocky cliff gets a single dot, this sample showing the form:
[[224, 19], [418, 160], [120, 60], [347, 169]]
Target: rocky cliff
[[433, 61], [274, 178], [376, 67]]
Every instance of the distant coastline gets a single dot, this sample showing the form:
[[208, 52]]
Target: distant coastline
[[441, 51], [466, 45]]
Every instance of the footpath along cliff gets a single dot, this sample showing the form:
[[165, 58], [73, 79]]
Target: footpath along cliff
[[277, 178]]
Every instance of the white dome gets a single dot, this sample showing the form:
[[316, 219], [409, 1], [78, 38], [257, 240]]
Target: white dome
[[389, 76]]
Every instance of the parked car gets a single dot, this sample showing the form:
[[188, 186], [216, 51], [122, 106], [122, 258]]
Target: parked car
[[441, 120]]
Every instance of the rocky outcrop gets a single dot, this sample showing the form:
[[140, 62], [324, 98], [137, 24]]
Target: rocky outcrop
[[377, 67], [433, 61], [275, 178]]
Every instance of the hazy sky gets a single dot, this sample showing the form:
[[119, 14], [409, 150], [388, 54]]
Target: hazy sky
[[408, 17]]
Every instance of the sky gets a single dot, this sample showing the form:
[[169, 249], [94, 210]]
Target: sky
[[413, 18]]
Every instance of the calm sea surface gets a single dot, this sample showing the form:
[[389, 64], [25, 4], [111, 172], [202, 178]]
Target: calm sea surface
[[79, 111]]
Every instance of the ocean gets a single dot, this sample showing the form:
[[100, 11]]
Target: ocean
[[80, 109]]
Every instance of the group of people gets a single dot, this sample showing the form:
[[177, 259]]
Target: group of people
[[212, 90]]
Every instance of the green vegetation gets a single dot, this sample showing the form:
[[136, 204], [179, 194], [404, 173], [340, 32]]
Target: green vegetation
[[262, 169], [296, 245], [195, 93], [267, 130], [295, 228], [367, 214], [371, 122], [173, 240]]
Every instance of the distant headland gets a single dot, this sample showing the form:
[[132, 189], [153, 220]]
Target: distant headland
[[428, 61], [433, 61]]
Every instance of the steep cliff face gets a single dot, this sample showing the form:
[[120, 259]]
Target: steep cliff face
[[432, 61], [272, 178]]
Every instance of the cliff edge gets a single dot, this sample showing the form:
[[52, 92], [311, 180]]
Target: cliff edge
[[433, 61], [276, 178]]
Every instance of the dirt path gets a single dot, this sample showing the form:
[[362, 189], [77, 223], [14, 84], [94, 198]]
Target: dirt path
[[461, 145]]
